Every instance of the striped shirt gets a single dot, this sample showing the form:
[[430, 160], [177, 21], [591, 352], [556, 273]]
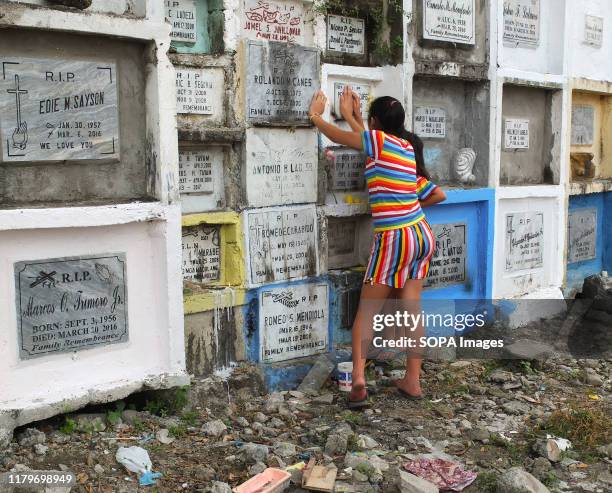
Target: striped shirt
[[394, 188]]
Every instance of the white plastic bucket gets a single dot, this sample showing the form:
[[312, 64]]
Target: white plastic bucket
[[345, 376]]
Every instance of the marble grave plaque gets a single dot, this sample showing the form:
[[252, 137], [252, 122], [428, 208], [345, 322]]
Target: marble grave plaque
[[449, 262], [582, 235], [522, 23], [430, 122], [452, 22], [197, 169], [524, 241], [57, 110], [201, 253], [516, 133], [274, 20], [293, 321], [281, 81], [583, 124], [347, 170], [282, 244], [593, 30], [181, 14], [362, 90], [199, 91], [281, 166], [345, 34], [71, 303]]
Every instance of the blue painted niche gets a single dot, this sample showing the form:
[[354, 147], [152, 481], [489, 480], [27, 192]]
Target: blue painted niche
[[577, 271]]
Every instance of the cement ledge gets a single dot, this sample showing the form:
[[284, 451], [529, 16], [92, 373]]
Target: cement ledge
[[590, 186], [37, 410]]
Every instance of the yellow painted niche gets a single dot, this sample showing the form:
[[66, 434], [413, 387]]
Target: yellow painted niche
[[599, 96], [214, 299], [229, 289]]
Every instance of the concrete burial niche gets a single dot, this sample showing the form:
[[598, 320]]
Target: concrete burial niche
[[527, 248], [280, 80], [200, 96], [349, 240], [288, 327], [530, 135], [76, 142], [452, 118], [359, 33], [588, 235], [197, 25], [589, 34], [201, 180], [344, 182], [212, 251], [450, 38], [283, 21], [591, 134], [99, 308], [132, 8], [214, 339], [532, 35], [280, 167], [283, 244], [213, 292]]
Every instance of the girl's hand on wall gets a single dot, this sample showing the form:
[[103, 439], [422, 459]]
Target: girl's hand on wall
[[356, 104], [317, 106], [346, 103]]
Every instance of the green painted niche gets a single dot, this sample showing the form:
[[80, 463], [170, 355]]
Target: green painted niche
[[209, 28]]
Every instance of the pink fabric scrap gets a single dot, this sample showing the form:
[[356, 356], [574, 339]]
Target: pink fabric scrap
[[446, 475]]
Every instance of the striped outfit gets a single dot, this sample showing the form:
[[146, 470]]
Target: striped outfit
[[403, 241]]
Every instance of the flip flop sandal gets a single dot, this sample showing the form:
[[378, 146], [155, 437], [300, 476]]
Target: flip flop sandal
[[358, 404], [406, 395]]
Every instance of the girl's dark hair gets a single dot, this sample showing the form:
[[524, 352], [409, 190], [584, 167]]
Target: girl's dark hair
[[391, 115]]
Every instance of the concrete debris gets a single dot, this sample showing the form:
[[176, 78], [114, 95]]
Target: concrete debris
[[214, 428], [517, 480], [31, 437], [254, 452], [526, 349], [90, 423], [318, 375], [409, 483], [163, 436], [284, 449], [220, 487], [367, 448]]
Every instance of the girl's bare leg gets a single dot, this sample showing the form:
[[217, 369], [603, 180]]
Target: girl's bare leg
[[410, 295], [373, 297]]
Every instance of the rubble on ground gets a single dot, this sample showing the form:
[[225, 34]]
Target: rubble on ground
[[487, 416]]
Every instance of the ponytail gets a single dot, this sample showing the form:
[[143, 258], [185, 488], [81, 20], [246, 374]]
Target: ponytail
[[391, 115]]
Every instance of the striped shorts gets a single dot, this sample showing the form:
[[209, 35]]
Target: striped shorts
[[400, 254]]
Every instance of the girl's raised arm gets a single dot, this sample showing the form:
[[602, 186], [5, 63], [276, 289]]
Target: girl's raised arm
[[331, 131]]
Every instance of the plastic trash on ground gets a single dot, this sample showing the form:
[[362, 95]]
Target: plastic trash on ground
[[562, 443], [137, 460], [272, 480], [446, 475]]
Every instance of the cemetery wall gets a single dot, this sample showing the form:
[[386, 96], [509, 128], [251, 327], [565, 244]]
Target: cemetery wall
[[89, 221], [275, 230]]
